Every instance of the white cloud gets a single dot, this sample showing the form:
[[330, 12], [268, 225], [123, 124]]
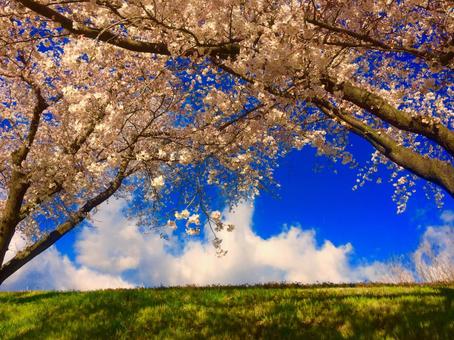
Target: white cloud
[[52, 270], [113, 253], [114, 245], [434, 258]]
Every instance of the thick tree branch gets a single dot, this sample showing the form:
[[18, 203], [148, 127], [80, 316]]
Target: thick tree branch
[[57, 186], [223, 50], [423, 125], [19, 184], [27, 254], [75, 218], [106, 36], [28, 208], [372, 43], [433, 170]]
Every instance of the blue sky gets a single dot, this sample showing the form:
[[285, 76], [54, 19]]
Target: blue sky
[[362, 227], [318, 230], [323, 200]]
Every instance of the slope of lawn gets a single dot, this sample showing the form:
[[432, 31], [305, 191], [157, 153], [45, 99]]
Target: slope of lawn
[[368, 312]]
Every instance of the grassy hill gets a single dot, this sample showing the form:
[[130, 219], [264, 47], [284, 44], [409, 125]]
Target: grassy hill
[[368, 312]]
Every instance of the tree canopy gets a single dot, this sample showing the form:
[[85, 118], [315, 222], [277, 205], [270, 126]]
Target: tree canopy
[[101, 97]]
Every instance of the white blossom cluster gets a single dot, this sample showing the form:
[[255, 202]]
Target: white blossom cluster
[[145, 89]]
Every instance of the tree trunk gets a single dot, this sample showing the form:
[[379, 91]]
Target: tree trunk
[[26, 255], [9, 217]]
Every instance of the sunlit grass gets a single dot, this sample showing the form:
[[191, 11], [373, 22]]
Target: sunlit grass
[[369, 312]]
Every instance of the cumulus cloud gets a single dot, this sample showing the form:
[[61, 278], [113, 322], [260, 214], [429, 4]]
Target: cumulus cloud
[[114, 253], [432, 261], [434, 258], [114, 246], [52, 270]]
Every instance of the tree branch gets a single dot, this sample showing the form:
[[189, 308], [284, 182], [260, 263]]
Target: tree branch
[[27, 254], [57, 186], [222, 50], [440, 58], [433, 170], [423, 125], [19, 184], [97, 34]]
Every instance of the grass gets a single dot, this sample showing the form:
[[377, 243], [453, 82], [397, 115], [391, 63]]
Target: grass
[[272, 312]]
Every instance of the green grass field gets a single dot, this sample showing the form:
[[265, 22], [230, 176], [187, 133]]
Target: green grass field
[[273, 312]]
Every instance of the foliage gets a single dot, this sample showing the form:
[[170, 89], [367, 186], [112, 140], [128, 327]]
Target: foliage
[[99, 95], [365, 312]]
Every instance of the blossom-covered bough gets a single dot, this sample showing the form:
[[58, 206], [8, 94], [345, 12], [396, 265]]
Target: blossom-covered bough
[[99, 97]]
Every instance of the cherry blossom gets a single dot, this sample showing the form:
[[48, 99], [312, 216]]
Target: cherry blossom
[[100, 97]]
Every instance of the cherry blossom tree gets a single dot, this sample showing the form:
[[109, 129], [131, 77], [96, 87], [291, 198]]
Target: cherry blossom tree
[[98, 96]]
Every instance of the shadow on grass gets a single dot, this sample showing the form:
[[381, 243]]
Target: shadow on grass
[[217, 313], [448, 293], [28, 297]]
